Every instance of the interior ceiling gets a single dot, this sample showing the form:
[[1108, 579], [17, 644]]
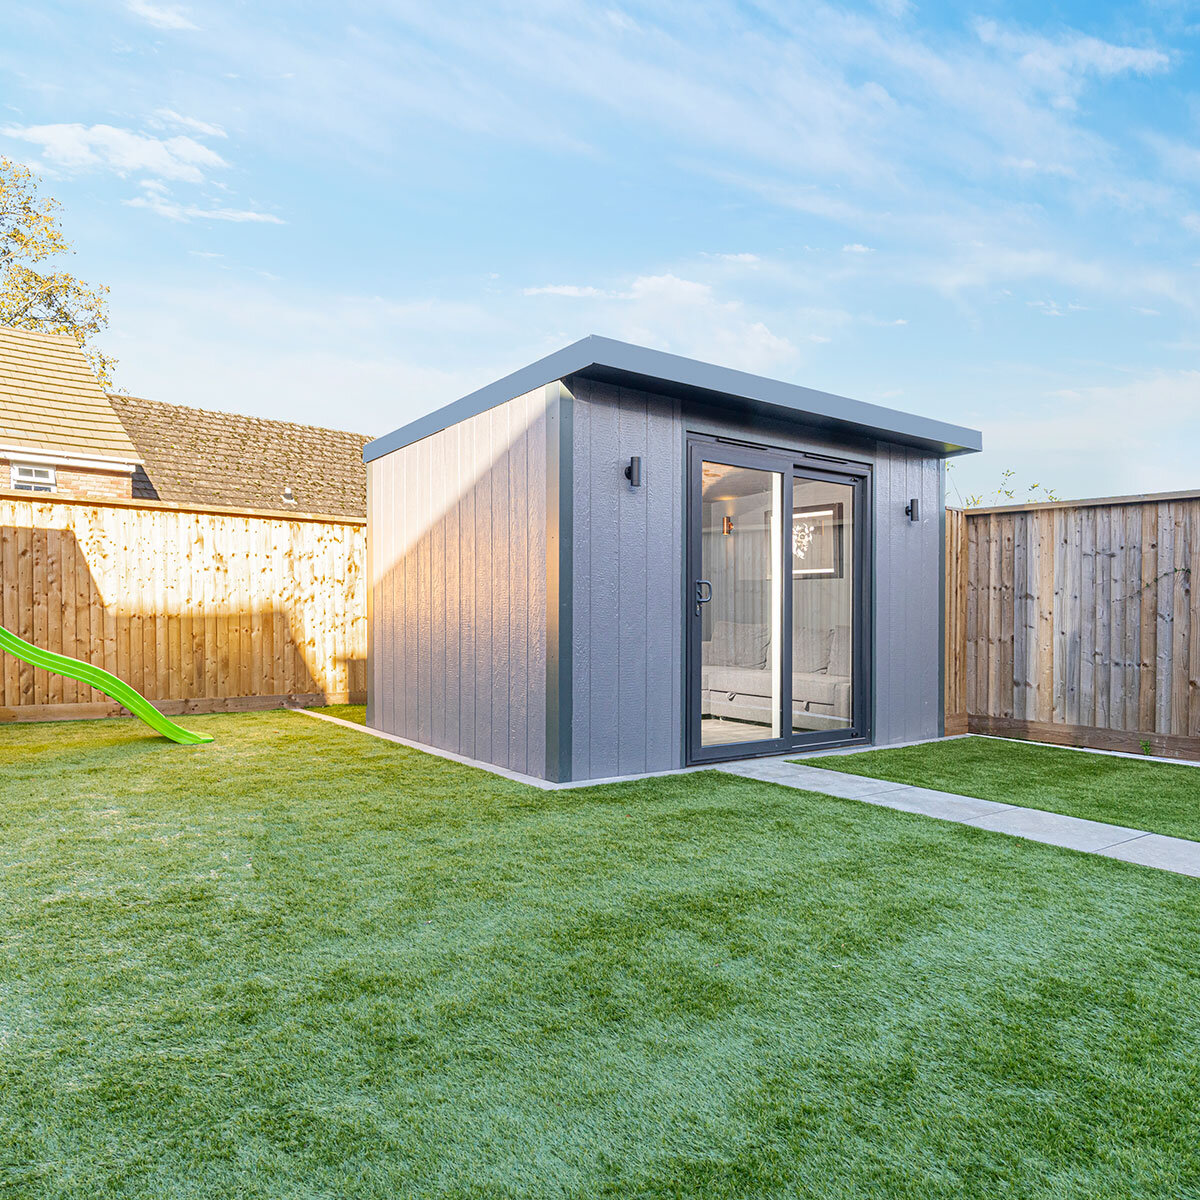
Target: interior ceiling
[[720, 481]]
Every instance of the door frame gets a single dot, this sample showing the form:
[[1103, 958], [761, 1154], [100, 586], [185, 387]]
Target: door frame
[[790, 464]]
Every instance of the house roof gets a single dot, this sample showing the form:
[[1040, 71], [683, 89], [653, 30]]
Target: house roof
[[52, 404], [196, 456], [616, 362]]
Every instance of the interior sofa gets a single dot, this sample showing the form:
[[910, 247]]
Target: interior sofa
[[737, 682]]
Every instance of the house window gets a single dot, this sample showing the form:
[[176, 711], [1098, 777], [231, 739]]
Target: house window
[[26, 478]]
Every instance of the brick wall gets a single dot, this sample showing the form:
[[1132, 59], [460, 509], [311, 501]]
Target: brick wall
[[81, 484]]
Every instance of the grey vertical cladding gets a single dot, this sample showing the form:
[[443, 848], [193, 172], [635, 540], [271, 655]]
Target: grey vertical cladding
[[458, 579], [908, 595], [627, 569], [558, 661]]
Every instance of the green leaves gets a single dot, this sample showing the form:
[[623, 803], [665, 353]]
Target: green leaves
[[48, 301]]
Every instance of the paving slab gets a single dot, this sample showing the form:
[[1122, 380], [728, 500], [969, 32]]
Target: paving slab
[[1055, 829], [1075, 833], [835, 783], [947, 806], [1158, 850]]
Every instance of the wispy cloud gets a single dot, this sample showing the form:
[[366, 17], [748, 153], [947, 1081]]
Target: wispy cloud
[[161, 16], [72, 148], [563, 289], [203, 128], [1051, 308], [158, 203], [1073, 54]]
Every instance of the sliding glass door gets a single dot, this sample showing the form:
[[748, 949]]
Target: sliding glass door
[[776, 604], [737, 602], [823, 591]]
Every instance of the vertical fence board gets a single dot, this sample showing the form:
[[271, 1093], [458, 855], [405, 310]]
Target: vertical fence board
[[1078, 621], [197, 610]]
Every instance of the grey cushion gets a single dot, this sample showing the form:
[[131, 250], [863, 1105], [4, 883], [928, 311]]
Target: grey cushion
[[839, 651], [736, 644], [811, 650]]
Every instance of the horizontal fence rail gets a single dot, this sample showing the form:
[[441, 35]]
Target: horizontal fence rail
[[1079, 621], [200, 610]]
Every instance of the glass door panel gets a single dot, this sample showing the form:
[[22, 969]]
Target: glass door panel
[[823, 606], [739, 603]]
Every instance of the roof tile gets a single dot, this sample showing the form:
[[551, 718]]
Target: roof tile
[[51, 401], [197, 456]]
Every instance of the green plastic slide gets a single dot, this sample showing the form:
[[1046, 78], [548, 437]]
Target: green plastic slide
[[102, 681]]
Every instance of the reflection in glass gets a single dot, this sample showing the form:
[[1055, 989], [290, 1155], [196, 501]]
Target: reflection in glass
[[822, 535], [741, 531]]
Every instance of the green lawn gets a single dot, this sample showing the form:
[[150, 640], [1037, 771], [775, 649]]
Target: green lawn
[[304, 962], [1159, 797], [348, 712]]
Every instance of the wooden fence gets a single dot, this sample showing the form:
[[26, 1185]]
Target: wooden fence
[[199, 609], [1079, 624]]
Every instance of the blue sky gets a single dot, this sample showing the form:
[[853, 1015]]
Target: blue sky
[[349, 214]]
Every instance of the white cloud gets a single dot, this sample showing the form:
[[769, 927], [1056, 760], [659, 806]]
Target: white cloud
[[857, 248], [1059, 66], [670, 312], [686, 316], [203, 128], [563, 289], [747, 259], [73, 147], [161, 16], [1051, 308], [158, 203], [1072, 54]]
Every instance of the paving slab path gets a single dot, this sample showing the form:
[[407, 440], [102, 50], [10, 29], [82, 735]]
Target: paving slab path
[[1076, 833]]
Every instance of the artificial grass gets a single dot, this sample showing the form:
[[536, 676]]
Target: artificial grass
[[348, 712], [303, 962], [1158, 797]]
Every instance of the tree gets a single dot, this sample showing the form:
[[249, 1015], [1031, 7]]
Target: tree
[[50, 301]]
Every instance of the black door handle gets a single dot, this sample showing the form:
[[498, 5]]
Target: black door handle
[[702, 597]]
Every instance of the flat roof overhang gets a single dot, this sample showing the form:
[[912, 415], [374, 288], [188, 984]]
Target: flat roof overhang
[[608, 361]]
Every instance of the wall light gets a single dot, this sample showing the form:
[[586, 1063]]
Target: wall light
[[727, 526], [913, 511], [633, 472]]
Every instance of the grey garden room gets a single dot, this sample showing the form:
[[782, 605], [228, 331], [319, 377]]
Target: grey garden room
[[617, 561]]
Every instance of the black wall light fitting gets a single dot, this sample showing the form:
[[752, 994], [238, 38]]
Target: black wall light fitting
[[913, 511], [633, 472]]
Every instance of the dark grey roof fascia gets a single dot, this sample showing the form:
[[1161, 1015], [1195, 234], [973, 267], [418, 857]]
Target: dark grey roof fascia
[[611, 361]]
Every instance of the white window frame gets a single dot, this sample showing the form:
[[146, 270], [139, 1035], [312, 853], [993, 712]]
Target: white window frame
[[32, 477]]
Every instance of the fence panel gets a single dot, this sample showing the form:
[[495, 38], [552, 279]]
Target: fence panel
[[200, 609], [1077, 623]]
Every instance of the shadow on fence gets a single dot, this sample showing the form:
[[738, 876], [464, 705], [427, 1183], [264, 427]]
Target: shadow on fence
[[196, 617]]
